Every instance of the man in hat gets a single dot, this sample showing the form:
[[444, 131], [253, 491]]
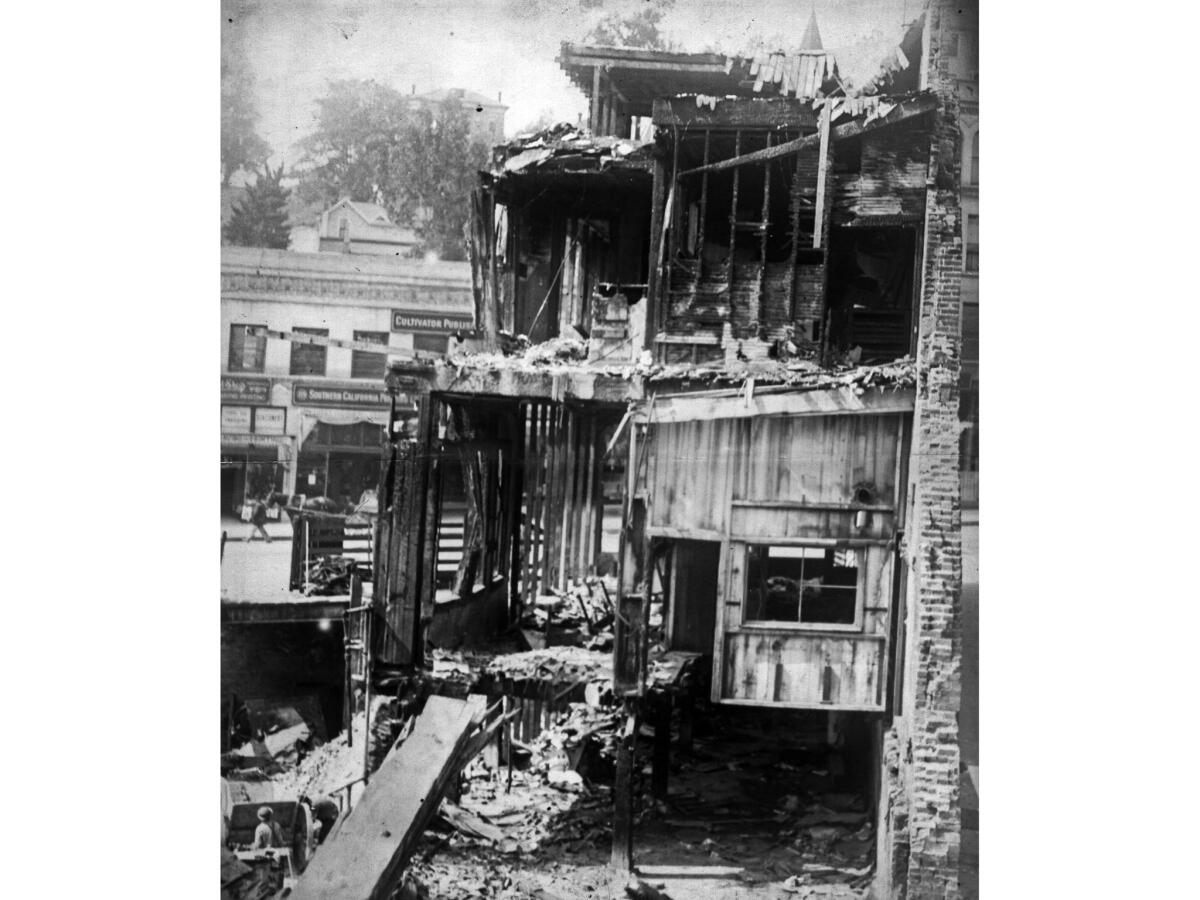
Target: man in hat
[[268, 833]]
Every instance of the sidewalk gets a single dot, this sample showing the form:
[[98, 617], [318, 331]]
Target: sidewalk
[[255, 571], [239, 530]]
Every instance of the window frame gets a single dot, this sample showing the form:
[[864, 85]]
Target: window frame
[[358, 357], [298, 347], [970, 248], [260, 341], [742, 549]]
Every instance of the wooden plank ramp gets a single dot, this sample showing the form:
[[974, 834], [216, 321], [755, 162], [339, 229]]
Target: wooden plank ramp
[[365, 858]]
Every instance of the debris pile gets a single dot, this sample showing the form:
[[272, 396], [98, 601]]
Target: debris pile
[[542, 831], [329, 575], [583, 614], [328, 769], [793, 372], [782, 809], [560, 665]]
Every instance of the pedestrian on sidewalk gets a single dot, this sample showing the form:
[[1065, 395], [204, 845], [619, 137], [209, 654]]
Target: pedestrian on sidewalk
[[258, 520]]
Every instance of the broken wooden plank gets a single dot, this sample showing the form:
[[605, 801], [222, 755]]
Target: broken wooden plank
[[822, 176], [366, 857]]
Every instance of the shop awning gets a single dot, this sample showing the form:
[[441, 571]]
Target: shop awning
[[309, 420]]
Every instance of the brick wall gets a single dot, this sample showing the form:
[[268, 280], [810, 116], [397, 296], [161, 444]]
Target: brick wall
[[919, 815]]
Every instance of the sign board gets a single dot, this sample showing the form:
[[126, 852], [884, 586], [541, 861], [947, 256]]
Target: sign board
[[270, 420], [424, 321], [340, 396], [245, 390], [235, 418]]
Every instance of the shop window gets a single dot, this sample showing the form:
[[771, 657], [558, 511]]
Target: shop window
[[309, 359], [431, 343], [369, 365], [802, 585], [971, 257], [247, 351]]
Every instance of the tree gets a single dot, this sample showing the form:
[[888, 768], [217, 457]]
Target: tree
[[351, 151], [639, 29], [374, 144], [436, 167], [260, 218], [241, 147]]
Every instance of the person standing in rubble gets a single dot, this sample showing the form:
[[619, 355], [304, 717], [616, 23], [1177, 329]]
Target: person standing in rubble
[[326, 813], [258, 520], [268, 834]]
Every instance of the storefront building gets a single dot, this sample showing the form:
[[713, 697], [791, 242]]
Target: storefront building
[[306, 419]]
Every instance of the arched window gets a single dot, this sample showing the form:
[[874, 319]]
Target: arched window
[[975, 159]]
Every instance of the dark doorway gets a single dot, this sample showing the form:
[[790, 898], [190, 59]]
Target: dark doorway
[[694, 595]]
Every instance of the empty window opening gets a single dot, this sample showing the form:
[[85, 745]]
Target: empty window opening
[[871, 291], [801, 585]]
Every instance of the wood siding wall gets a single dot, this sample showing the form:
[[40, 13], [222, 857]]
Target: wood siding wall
[[781, 479]]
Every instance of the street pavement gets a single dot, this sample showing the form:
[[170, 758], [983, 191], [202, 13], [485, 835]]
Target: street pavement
[[255, 571]]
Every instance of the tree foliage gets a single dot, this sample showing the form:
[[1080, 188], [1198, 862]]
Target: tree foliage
[[242, 149], [373, 144], [637, 29], [260, 218]]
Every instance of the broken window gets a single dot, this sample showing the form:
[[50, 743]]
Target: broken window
[[802, 585]]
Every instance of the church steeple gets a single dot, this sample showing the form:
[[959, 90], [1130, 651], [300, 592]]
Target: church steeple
[[812, 34]]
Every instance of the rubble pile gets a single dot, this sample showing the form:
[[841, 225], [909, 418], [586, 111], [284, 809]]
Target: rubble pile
[[326, 769], [561, 355], [542, 831], [782, 810], [562, 665], [329, 575]]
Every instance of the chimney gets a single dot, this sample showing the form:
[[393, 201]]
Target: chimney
[[414, 90], [499, 98]]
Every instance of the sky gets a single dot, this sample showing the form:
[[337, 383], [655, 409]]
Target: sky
[[506, 47]]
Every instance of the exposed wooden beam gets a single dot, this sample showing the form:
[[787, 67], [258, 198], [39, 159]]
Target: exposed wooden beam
[[822, 176], [905, 110]]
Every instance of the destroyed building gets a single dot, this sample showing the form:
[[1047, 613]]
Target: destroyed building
[[718, 357]]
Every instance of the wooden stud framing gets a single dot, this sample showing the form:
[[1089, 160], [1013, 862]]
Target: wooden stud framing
[[703, 210], [737, 150]]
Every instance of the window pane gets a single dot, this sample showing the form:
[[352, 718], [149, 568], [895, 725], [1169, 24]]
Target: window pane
[[810, 585], [368, 365], [309, 359], [247, 351]]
